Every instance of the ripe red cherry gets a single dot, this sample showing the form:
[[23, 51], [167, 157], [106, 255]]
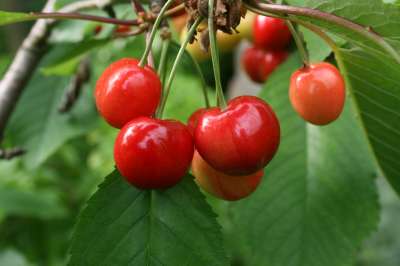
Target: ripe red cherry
[[241, 139], [221, 185], [259, 64], [153, 153], [270, 33], [317, 93], [194, 119], [125, 91]]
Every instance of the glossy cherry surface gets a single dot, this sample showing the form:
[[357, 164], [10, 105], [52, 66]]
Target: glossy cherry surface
[[317, 93], [153, 153], [194, 119], [259, 64], [270, 33], [241, 139], [221, 185], [125, 91]]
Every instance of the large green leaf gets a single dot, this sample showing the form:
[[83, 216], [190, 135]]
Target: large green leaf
[[372, 74], [122, 225], [318, 199], [37, 126]]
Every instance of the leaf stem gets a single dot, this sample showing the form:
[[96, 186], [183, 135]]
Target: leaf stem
[[156, 24], [175, 65], [215, 56]]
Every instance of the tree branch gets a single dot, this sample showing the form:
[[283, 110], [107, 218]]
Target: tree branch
[[28, 57]]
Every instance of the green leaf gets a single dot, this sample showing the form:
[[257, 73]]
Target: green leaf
[[374, 82], [14, 17], [318, 199], [66, 57], [43, 204], [122, 225], [37, 126]]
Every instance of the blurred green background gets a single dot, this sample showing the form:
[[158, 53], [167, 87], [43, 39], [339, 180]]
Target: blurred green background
[[42, 193]]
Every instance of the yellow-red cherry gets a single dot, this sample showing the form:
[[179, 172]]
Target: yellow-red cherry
[[317, 93], [125, 91], [270, 33], [221, 185], [152, 153]]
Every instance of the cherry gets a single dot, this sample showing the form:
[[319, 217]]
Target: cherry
[[125, 91], [194, 119], [123, 29], [259, 64], [152, 153], [221, 185], [317, 93], [97, 29], [240, 139], [270, 33]]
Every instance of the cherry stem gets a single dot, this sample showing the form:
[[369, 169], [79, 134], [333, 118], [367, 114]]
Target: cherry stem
[[215, 56], [298, 38], [203, 82], [175, 65], [154, 31], [163, 60]]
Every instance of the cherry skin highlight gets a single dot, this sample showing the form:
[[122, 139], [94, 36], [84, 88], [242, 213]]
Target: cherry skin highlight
[[221, 185], [241, 139], [259, 64], [125, 91], [270, 33], [317, 93], [152, 153]]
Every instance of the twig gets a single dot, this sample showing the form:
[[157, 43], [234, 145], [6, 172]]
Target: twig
[[75, 87], [8, 154], [28, 57]]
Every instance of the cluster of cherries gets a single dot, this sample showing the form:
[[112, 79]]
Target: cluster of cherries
[[270, 37], [228, 147]]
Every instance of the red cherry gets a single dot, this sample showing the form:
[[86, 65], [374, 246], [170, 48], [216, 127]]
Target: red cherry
[[259, 64], [153, 153], [194, 119], [125, 91], [241, 139], [270, 33], [123, 29], [98, 29], [317, 93], [221, 185]]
